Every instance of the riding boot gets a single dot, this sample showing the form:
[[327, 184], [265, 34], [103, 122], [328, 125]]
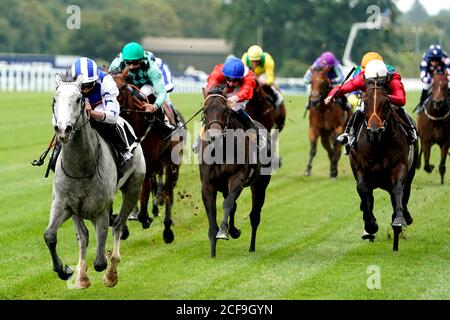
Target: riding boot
[[411, 133], [54, 157], [353, 124], [423, 97], [116, 137]]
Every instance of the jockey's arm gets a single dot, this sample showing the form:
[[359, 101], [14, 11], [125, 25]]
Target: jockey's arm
[[398, 95], [354, 84], [339, 75], [308, 75], [155, 75], [108, 111], [269, 69], [215, 78], [248, 86]]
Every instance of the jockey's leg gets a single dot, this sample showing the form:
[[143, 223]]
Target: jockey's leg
[[354, 122], [115, 135], [277, 93], [409, 125], [424, 95], [169, 116]]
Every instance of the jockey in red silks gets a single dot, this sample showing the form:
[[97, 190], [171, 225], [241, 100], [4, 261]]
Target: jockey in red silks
[[397, 96], [240, 84]]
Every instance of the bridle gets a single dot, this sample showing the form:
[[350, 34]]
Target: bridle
[[435, 102], [227, 113], [375, 115]]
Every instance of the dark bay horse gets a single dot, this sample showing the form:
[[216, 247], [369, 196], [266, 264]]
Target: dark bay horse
[[261, 108], [326, 122], [241, 168], [383, 159], [434, 124], [85, 181], [158, 153]]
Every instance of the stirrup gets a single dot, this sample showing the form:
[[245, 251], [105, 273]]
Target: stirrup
[[343, 138]]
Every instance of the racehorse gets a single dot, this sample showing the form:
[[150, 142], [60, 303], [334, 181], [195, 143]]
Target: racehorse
[[434, 123], [85, 180], [383, 159], [157, 152], [229, 177], [261, 107], [326, 122]]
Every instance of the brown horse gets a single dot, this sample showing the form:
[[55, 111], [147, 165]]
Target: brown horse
[[261, 108], [157, 152], [232, 175], [434, 123], [326, 122], [383, 159]]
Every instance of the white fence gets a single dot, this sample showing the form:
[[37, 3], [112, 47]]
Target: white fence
[[41, 77]]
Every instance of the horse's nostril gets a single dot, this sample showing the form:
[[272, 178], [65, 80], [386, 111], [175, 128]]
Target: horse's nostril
[[56, 128], [69, 129]]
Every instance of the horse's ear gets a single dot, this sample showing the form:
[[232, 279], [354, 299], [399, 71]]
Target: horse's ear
[[79, 80], [125, 71], [58, 79], [204, 92]]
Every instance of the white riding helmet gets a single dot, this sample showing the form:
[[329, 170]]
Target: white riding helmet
[[86, 67], [376, 69]]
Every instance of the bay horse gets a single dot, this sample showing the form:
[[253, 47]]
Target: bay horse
[[434, 123], [326, 122], [158, 151], [383, 159], [261, 107], [230, 177], [84, 184]]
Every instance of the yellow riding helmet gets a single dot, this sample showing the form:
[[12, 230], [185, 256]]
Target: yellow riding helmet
[[369, 56], [254, 53]]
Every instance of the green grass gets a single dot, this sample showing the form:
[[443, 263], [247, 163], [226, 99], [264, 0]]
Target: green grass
[[308, 245]]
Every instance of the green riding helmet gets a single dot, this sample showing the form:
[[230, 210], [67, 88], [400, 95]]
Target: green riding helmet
[[132, 51]]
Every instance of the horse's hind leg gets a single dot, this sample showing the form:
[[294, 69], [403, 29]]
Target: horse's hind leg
[[83, 240], [332, 155], [57, 218], [101, 228], [258, 196], [232, 230], [143, 216], [442, 169]]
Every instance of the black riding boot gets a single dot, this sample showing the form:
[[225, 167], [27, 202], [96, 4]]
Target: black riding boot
[[409, 126], [423, 97], [352, 126], [54, 157], [115, 136]]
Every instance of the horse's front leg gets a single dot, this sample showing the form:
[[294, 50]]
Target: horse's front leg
[[426, 148], [143, 216], [82, 281], [229, 205], [209, 196], [313, 136], [367, 201], [232, 230], [169, 186], [398, 218], [442, 169], [57, 217]]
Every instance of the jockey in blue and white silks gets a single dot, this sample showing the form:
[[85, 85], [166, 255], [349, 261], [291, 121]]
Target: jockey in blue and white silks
[[100, 93], [434, 60]]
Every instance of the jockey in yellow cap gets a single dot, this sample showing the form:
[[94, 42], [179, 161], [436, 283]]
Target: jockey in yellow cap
[[263, 66]]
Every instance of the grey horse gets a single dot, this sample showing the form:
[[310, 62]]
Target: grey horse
[[84, 184]]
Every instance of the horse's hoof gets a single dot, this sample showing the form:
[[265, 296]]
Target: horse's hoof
[[133, 216], [100, 266], [83, 283], [222, 235], [234, 233], [66, 273], [399, 222], [307, 173], [146, 222], [111, 279], [168, 236], [155, 210], [409, 220], [429, 168], [125, 233]]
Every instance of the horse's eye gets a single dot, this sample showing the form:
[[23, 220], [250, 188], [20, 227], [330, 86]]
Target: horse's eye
[[79, 100]]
